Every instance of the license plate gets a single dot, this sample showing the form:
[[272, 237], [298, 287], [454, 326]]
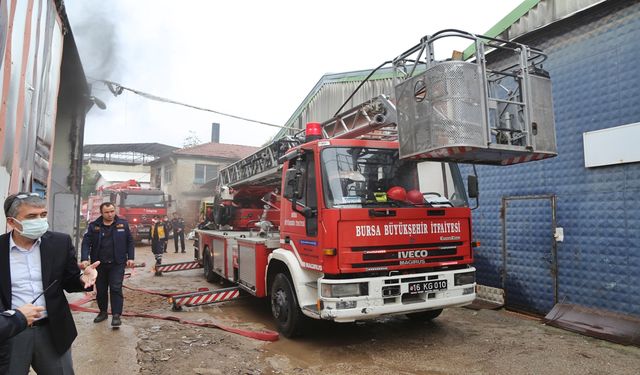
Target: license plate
[[427, 286]]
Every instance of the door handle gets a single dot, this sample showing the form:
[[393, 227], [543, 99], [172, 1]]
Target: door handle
[[381, 213]]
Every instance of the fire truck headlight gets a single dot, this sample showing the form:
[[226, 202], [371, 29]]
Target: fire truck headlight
[[345, 290], [464, 278]]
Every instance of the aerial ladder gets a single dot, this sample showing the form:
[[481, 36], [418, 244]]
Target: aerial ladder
[[451, 110]]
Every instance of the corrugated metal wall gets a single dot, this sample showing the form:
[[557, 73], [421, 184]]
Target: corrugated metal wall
[[31, 45], [593, 62], [331, 95]]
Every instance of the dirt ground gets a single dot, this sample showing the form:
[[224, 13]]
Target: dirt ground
[[460, 341]]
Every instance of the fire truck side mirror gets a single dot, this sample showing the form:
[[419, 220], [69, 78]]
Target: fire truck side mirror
[[289, 183], [293, 185], [169, 200], [472, 186], [299, 184]]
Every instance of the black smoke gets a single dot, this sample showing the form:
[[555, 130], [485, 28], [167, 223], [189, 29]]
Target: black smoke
[[95, 30]]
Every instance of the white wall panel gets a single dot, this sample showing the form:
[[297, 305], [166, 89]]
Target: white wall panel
[[617, 145]]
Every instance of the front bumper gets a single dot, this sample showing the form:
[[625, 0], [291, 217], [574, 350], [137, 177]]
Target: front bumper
[[390, 295]]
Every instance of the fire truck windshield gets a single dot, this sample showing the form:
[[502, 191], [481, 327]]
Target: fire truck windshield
[[371, 177], [144, 200]]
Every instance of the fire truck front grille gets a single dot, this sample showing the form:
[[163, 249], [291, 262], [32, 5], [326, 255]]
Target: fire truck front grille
[[395, 254], [406, 255], [395, 263], [409, 247]]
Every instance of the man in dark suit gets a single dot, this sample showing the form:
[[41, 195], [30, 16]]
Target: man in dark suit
[[37, 266], [108, 240], [13, 322]]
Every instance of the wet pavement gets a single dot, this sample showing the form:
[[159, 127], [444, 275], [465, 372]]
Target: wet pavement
[[460, 341], [99, 349]]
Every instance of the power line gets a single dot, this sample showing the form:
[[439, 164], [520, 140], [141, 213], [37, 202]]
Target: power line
[[117, 89]]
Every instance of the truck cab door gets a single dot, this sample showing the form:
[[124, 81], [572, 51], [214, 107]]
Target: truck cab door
[[300, 191], [299, 223]]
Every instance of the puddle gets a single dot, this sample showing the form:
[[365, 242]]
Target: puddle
[[346, 346]]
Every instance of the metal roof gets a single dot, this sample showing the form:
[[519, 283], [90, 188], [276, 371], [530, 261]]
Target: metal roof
[[221, 151], [332, 89], [155, 149], [532, 15], [115, 176]]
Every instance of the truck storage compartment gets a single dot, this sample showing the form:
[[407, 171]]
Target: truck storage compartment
[[222, 246], [252, 262]]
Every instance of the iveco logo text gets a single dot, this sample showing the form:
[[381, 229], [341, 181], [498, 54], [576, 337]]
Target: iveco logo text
[[413, 254]]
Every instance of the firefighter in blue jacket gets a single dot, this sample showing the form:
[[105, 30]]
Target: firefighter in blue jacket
[[108, 239]]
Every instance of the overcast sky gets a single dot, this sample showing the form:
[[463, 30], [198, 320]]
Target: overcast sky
[[255, 59]]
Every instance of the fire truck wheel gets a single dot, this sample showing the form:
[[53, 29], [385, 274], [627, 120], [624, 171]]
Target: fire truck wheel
[[284, 307], [207, 265], [425, 315]]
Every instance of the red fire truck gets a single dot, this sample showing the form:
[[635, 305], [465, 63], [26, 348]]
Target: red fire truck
[[367, 215], [136, 204]]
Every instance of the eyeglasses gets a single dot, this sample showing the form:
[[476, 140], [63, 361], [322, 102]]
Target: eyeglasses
[[27, 195], [11, 199]]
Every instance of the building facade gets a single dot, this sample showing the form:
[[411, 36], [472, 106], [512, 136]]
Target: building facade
[[182, 173], [566, 229], [45, 98]]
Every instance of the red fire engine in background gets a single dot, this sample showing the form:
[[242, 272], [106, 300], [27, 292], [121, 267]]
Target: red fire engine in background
[[367, 215], [134, 203]]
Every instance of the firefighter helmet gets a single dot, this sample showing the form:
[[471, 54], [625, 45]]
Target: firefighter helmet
[[397, 193], [415, 196]]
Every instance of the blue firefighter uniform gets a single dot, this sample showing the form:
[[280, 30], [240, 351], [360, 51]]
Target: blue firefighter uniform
[[112, 245]]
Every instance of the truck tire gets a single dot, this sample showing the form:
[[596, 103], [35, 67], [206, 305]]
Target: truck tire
[[425, 315], [284, 307], [207, 265]]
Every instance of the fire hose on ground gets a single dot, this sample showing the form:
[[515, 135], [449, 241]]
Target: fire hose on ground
[[265, 335]]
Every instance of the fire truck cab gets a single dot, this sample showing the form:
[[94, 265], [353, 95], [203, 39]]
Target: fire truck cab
[[346, 214], [134, 203]]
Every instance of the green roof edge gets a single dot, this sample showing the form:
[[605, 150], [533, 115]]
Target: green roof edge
[[504, 24], [494, 31], [354, 76]]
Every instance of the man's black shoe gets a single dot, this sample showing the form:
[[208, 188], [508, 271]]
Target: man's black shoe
[[115, 321], [184, 252], [102, 316], [176, 252]]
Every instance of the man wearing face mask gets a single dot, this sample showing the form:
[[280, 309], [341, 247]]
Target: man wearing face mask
[[36, 267]]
